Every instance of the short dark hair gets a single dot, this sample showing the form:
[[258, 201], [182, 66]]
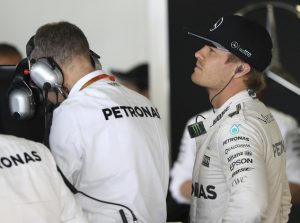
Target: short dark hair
[[62, 41], [255, 79], [9, 50]]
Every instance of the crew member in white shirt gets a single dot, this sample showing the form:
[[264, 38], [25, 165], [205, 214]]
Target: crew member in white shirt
[[32, 190], [108, 140]]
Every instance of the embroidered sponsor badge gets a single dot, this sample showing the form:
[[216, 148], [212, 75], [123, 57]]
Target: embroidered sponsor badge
[[196, 129], [206, 160], [234, 129]]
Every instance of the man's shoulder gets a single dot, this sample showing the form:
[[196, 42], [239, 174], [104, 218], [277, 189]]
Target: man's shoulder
[[283, 117], [200, 116], [31, 150], [247, 114]]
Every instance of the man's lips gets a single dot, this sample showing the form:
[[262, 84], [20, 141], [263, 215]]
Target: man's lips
[[198, 66]]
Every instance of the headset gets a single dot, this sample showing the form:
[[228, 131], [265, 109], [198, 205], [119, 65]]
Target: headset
[[33, 78]]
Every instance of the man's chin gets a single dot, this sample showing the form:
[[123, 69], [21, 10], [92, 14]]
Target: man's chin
[[198, 82], [194, 78]]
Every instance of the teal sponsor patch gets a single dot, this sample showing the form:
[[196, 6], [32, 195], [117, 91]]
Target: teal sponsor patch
[[234, 129]]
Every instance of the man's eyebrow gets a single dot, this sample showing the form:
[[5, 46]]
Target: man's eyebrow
[[212, 48]]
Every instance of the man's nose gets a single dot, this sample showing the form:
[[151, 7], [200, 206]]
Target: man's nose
[[200, 54]]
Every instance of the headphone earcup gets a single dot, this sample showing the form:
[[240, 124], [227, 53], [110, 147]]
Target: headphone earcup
[[20, 97], [45, 70], [21, 102]]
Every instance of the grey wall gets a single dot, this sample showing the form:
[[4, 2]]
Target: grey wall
[[116, 29]]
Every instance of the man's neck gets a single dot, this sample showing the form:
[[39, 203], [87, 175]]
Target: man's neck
[[220, 99], [75, 71]]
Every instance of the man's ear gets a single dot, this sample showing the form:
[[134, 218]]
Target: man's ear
[[242, 69], [239, 69]]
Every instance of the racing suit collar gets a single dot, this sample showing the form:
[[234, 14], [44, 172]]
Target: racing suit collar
[[77, 86], [231, 107], [237, 98]]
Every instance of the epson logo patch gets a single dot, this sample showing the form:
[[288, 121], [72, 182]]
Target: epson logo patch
[[239, 162]]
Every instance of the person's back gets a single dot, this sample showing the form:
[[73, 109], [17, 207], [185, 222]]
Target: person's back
[[32, 190], [108, 141], [121, 151]]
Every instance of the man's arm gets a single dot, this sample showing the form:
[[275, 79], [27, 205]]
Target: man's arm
[[295, 192], [289, 129], [186, 189], [245, 173], [65, 143], [182, 170], [71, 211], [292, 141]]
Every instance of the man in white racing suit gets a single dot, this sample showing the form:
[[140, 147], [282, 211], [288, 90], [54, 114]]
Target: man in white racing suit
[[181, 173], [239, 171], [32, 190], [108, 140]]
